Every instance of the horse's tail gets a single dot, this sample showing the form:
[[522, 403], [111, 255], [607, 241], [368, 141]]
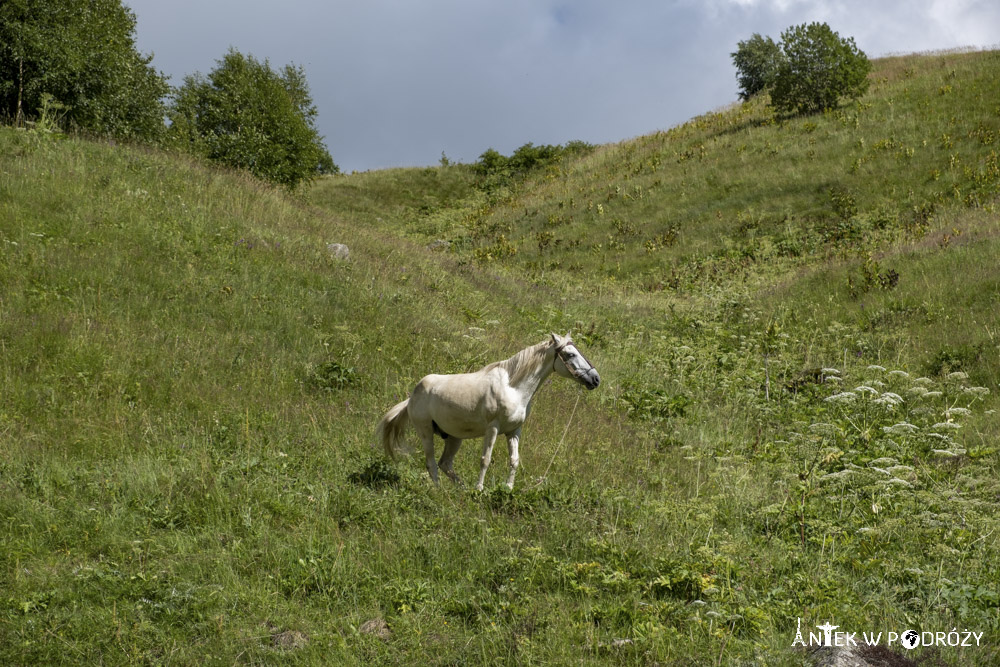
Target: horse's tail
[[390, 429]]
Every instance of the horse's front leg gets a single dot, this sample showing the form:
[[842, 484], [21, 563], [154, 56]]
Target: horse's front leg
[[512, 441], [488, 440]]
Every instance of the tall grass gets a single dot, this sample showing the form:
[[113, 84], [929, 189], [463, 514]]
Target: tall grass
[[191, 379]]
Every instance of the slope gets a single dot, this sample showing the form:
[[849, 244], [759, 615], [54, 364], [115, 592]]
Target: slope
[[804, 310], [190, 381]]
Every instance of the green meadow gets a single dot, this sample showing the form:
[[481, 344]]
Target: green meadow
[[796, 325]]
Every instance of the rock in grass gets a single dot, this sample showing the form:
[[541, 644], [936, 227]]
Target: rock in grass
[[377, 627], [338, 250], [289, 640], [858, 656]]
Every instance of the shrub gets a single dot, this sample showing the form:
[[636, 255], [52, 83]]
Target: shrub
[[817, 68], [497, 170], [246, 115]]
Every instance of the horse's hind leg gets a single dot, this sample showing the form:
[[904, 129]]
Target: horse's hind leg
[[451, 445], [426, 434]]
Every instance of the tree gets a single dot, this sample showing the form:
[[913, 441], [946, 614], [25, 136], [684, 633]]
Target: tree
[[817, 68], [246, 115], [756, 60], [81, 53]]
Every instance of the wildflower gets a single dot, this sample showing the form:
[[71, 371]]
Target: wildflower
[[884, 461], [865, 389], [933, 394], [832, 378], [889, 399], [895, 481], [833, 476], [899, 374], [947, 453], [958, 375], [957, 412], [924, 381], [978, 392], [842, 397], [940, 426], [917, 390], [829, 371], [900, 428], [875, 367]]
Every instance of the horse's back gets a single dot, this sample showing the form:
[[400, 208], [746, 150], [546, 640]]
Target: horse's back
[[460, 404]]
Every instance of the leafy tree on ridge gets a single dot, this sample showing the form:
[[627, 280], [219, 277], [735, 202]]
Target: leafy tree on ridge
[[809, 71], [756, 61], [82, 53], [246, 115], [817, 68]]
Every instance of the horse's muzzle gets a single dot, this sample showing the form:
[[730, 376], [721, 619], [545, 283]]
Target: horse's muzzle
[[591, 379]]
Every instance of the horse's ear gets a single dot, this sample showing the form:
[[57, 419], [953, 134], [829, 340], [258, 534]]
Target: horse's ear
[[569, 335], [555, 339]]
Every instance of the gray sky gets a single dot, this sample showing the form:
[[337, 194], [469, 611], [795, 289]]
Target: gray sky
[[397, 82]]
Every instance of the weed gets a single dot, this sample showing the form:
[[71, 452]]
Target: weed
[[872, 277], [331, 375], [646, 403]]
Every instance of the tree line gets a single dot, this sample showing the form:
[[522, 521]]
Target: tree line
[[76, 61]]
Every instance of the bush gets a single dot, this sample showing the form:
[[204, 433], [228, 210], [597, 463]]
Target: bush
[[756, 60], [817, 68], [246, 115], [496, 170], [81, 56]]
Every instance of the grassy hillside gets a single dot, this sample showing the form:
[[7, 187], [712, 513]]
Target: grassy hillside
[[190, 381], [742, 185]]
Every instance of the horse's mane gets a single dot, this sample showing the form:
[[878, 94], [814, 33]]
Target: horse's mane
[[523, 363]]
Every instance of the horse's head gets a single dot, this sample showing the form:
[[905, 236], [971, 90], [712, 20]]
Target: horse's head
[[569, 362]]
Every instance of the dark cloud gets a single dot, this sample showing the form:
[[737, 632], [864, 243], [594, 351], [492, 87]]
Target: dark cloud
[[399, 82]]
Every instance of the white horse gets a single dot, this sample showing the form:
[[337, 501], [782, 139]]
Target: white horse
[[495, 399]]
